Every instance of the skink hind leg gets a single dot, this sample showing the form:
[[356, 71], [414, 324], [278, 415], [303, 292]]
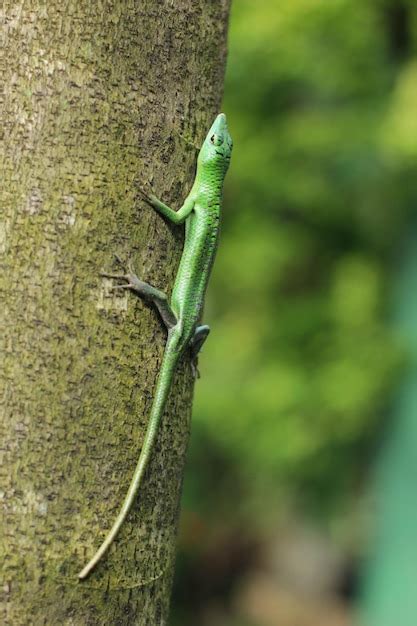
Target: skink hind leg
[[200, 335], [146, 291]]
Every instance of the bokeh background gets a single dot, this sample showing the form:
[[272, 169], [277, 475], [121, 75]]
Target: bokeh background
[[298, 506]]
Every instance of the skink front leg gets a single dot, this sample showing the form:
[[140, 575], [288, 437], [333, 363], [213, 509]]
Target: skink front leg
[[177, 217]]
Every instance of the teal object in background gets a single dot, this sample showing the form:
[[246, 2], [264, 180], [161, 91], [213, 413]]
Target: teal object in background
[[390, 583]]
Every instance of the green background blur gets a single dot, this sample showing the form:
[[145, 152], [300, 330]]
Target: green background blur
[[301, 371]]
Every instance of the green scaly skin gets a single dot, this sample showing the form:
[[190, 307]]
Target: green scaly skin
[[201, 214]]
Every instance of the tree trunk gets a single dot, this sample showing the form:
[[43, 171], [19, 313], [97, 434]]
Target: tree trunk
[[97, 97]]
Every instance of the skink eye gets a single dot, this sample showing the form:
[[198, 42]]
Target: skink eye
[[216, 140]]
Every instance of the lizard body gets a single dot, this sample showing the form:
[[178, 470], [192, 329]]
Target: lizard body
[[201, 214]]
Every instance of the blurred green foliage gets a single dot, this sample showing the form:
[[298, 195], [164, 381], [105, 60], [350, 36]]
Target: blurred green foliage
[[301, 364]]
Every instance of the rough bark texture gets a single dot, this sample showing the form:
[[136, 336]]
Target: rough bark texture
[[96, 97]]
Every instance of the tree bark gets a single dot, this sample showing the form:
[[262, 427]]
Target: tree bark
[[96, 98]]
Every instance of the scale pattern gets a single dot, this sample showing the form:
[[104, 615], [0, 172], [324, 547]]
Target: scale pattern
[[202, 210]]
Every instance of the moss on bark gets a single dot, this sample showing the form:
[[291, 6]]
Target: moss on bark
[[97, 96]]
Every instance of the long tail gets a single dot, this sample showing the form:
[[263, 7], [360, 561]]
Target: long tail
[[163, 386]]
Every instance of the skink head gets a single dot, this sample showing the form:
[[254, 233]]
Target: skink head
[[217, 147]]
